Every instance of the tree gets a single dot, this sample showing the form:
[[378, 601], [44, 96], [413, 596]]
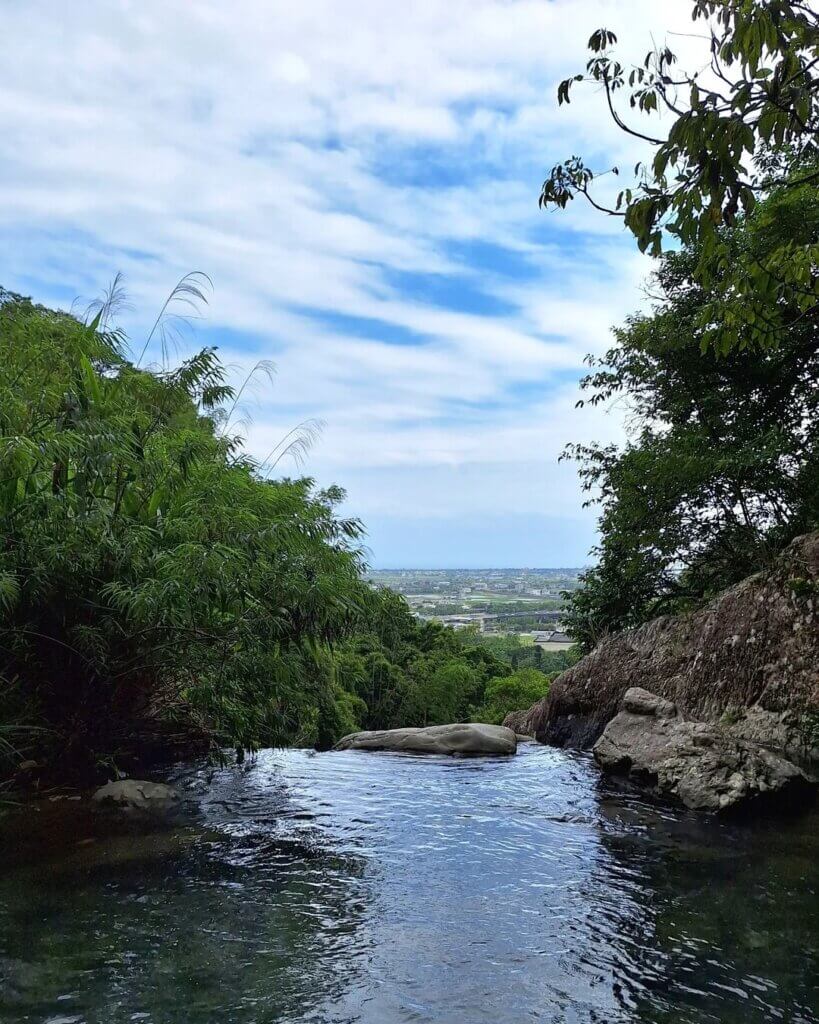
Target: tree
[[509, 693], [156, 589], [744, 127], [153, 584], [722, 467]]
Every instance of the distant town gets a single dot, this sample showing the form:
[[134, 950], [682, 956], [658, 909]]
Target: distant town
[[526, 602]]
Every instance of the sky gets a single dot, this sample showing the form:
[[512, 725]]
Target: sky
[[359, 180]]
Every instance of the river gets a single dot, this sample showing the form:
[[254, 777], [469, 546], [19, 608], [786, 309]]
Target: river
[[379, 888]]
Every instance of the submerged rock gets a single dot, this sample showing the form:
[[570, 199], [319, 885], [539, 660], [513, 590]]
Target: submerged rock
[[461, 738], [702, 765], [137, 795]]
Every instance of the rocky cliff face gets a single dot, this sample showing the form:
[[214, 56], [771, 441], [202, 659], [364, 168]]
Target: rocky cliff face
[[749, 660]]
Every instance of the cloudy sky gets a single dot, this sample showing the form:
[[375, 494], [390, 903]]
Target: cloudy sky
[[359, 179]]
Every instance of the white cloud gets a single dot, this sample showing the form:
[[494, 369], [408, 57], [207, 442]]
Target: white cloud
[[309, 157]]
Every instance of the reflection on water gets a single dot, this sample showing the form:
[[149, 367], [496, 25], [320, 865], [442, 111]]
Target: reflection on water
[[379, 888]]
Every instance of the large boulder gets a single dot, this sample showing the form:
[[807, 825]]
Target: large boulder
[[137, 795], [749, 660], [462, 738], [702, 765]]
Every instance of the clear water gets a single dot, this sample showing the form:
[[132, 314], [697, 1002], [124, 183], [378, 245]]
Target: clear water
[[382, 888]]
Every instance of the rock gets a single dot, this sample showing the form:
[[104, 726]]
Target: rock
[[461, 738], [517, 721], [136, 795], [523, 737], [700, 764], [640, 702], [749, 660]]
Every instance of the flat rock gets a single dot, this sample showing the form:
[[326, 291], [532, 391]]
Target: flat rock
[[461, 738], [700, 764], [137, 795]]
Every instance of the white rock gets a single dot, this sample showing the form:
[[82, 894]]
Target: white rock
[[137, 795], [460, 738], [700, 764]]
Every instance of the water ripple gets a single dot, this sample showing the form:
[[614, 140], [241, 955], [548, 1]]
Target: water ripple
[[356, 887]]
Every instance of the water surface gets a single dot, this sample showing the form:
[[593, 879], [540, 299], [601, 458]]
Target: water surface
[[379, 888]]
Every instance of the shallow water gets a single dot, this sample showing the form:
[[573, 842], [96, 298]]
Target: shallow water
[[347, 887]]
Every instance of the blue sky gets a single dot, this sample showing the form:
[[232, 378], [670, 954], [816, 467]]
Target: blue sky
[[360, 182]]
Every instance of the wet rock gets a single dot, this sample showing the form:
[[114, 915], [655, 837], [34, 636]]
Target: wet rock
[[700, 764], [137, 795], [461, 738]]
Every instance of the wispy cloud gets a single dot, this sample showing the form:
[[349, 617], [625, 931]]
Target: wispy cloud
[[360, 181]]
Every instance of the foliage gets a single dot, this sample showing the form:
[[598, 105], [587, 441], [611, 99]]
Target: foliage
[[520, 690], [156, 589], [515, 653], [149, 574], [722, 469], [411, 673], [740, 128]]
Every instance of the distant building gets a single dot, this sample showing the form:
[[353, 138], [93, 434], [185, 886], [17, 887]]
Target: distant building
[[552, 639]]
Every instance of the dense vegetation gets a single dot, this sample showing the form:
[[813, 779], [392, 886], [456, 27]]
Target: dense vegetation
[[721, 378], [722, 468], [157, 590], [505, 694], [512, 650]]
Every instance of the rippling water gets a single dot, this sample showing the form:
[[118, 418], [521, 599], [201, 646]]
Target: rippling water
[[380, 888]]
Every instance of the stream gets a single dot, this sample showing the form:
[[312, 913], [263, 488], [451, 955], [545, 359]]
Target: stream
[[381, 888]]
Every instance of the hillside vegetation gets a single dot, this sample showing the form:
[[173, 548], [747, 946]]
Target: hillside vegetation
[[158, 592], [720, 377], [721, 469]]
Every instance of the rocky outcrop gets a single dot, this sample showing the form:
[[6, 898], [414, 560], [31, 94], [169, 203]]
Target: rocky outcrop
[[463, 738], [702, 765], [136, 795], [518, 722], [749, 661]]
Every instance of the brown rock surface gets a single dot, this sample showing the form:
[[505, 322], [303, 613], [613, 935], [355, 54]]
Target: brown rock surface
[[749, 660]]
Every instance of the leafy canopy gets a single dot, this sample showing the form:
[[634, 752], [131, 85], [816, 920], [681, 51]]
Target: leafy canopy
[[741, 127], [514, 692], [149, 573], [722, 467]]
